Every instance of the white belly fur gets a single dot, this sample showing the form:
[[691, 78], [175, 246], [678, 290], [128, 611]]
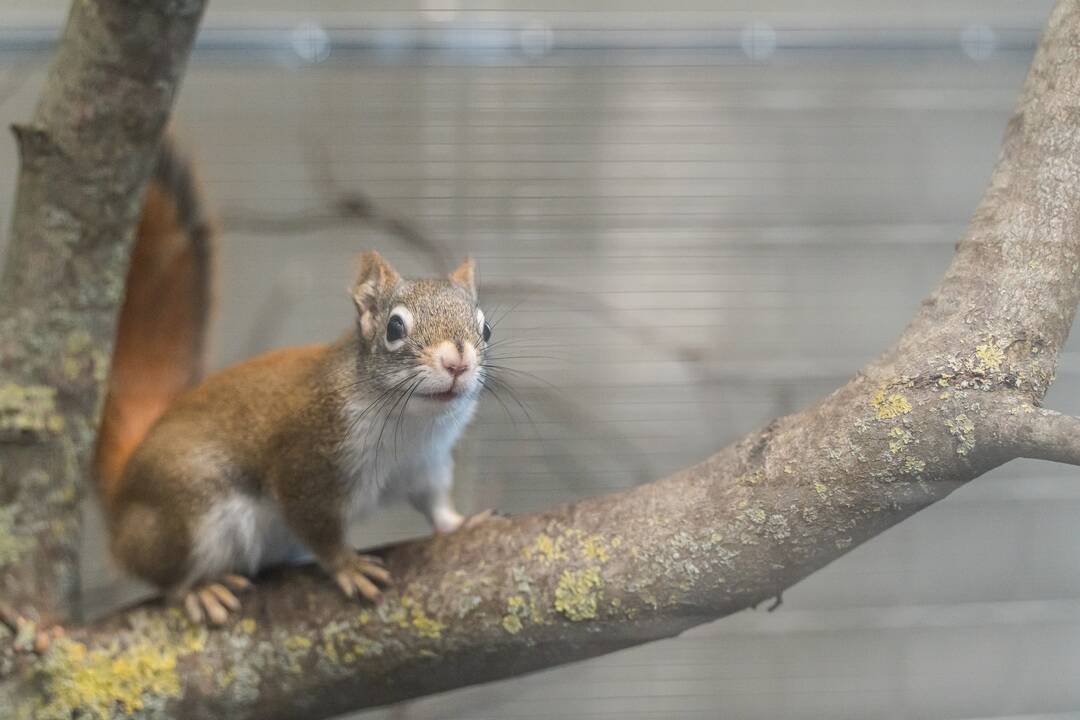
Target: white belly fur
[[242, 534]]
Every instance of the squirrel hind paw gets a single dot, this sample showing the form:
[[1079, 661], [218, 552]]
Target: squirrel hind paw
[[213, 603], [357, 577]]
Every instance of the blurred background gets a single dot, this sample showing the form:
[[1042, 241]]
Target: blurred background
[[688, 219]]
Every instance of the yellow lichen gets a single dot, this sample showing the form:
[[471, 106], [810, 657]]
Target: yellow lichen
[[751, 479], [12, 546], [428, 627], [226, 679], [329, 651], [990, 357], [777, 527], [247, 626], [914, 466], [192, 640], [394, 616], [71, 368], [297, 648], [77, 342], [366, 646], [29, 410], [900, 438], [889, 406], [512, 624], [963, 430], [422, 623], [821, 489], [95, 684], [578, 593], [545, 548], [297, 642], [756, 515], [595, 548], [516, 610]]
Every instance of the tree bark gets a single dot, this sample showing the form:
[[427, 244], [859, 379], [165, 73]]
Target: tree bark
[[86, 157], [957, 395]]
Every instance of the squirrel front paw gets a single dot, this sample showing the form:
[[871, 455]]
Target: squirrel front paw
[[449, 521], [355, 573]]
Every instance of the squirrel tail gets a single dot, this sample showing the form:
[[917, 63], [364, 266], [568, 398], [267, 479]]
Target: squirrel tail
[[161, 335]]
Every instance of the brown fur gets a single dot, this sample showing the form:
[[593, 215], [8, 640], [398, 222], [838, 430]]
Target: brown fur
[[264, 426], [162, 328]]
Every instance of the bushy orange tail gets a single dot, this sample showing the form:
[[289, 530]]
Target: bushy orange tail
[[162, 330]]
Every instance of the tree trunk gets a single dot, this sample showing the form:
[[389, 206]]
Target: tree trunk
[[86, 157]]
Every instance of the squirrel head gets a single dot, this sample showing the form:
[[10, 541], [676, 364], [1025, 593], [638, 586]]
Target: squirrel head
[[423, 337]]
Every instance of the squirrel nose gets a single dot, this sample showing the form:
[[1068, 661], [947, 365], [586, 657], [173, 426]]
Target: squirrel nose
[[454, 367], [456, 360]]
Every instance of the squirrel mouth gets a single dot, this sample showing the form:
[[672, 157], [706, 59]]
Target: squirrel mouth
[[446, 396], [453, 392]]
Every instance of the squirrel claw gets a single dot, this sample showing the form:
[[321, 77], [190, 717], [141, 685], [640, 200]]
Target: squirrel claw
[[477, 518], [237, 583], [44, 638], [213, 602], [372, 559], [357, 576], [451, 521], [375, 567]]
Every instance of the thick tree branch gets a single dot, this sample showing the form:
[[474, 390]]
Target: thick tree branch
[[86, 157], [1047, 435], [516, 594]]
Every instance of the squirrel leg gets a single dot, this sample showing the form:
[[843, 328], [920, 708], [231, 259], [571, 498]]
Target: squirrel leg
[[319, 523], [432, 498]]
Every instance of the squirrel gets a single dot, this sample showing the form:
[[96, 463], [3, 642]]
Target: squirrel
[[267, 461]]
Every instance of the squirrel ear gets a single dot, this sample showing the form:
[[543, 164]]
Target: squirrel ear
[[375, 278], [465, 276]]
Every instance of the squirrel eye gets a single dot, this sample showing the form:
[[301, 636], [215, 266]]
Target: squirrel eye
[[395, 329], [487, 331]]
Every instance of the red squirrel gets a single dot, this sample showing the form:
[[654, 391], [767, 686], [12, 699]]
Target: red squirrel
[[267, 461]]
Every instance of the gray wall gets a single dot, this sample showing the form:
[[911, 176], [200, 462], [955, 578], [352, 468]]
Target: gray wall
[[691, 231]]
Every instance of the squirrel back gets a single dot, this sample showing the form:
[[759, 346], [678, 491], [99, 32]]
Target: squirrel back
[[161, 334]]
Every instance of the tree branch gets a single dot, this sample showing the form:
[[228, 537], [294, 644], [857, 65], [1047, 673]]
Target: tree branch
[[516, 594], [86, 157], [1047, 435]]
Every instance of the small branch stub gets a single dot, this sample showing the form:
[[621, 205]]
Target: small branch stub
[[1047, 435]]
